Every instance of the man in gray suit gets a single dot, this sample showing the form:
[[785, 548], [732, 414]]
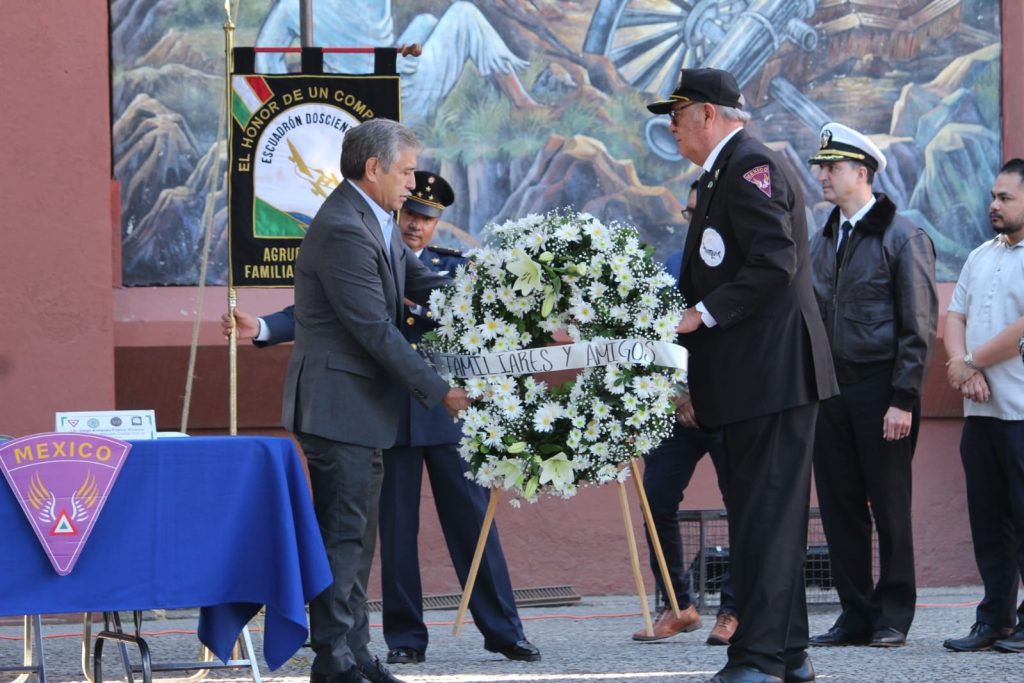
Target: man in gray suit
[[347, 372]]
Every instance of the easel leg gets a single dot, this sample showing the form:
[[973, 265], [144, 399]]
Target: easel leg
[[485, 531], [652, 531], [635, 560]]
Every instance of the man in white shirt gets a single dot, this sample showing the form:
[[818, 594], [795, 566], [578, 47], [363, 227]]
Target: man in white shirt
[[987, 300]]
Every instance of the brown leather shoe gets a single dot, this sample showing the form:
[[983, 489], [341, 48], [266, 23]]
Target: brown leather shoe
[[725, 627], [667, 625]]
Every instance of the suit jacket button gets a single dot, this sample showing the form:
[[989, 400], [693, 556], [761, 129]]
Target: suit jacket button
[[413, 345], [410, 320], [429, 314]]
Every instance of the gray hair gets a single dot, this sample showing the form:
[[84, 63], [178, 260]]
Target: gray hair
[[733, 114], [381, 138]]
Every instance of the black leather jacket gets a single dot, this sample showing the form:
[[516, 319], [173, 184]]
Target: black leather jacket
[[880, 312]]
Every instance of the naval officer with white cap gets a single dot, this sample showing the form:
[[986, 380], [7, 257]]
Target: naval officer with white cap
[[874, 279]]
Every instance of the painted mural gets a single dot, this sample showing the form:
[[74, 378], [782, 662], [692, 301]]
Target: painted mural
[[529, 105]]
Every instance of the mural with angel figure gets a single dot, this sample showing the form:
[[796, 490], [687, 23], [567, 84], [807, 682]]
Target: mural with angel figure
[[530, 105]]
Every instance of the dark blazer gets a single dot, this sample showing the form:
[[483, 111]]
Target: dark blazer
[[746, 258], [417, 426], [350, 362]]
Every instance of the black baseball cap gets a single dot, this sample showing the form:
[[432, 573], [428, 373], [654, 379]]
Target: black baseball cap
[[713, 86]]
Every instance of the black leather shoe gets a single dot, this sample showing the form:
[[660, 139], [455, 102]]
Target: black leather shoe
[[353, 675], [378, 673], [799, 668], [522, 651], [743, 674], [888, 637], [405, 655], [837, 636], [1015, 643], [981, 637]]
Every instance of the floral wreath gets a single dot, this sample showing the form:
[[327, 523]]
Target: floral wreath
[[532, 278]]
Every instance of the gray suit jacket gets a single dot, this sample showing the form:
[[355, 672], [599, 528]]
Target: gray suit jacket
[[350, 361]]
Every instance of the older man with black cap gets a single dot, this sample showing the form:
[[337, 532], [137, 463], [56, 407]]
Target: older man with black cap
[[759, 364], [425, 438], [874, 278]]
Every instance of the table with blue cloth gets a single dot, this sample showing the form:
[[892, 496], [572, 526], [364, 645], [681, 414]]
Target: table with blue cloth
[[225, 524]]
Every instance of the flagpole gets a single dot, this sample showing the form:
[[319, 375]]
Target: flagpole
[[229, 40], [306, 23]]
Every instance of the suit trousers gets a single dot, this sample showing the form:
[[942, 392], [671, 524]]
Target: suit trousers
[[769, 460], [461, 505], [992, 452], [346, 482], [667, 472], [859, 476]]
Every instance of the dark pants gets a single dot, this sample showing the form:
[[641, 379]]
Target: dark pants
[[346, 483], [860, 475], [769, 497], [992, 452], [667, 472], [461, 505]]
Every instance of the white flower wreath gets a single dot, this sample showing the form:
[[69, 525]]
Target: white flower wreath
[[534, 277]]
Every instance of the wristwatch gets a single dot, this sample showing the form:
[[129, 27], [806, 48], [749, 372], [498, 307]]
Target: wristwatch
[[969, 359]]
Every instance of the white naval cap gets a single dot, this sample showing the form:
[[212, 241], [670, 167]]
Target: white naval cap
[[842, 143]]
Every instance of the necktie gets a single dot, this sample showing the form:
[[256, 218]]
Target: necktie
[[844, 238]]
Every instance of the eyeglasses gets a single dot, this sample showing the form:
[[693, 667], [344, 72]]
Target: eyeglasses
[[673, 114]]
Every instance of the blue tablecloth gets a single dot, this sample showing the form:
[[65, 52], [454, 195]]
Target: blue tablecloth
[[221, 523]]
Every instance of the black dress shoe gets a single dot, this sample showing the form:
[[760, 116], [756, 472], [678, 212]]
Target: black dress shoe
[[837, 636], [521, 651], [743, 674], [377, 672], [405, 655], [353, 675], [888, 637], [1015, 643], [799, 668], [981, 637]]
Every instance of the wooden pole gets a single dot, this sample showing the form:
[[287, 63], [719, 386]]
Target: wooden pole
[[467, 590], [652, 532], [635, 561], [229, 33]]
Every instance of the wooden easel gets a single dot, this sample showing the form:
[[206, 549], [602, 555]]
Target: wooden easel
[[634, 555]]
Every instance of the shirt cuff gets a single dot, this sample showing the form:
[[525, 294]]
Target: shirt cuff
[[264, 333], [705, 317]]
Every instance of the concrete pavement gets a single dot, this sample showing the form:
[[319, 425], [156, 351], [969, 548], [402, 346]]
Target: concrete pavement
[[586, 642]]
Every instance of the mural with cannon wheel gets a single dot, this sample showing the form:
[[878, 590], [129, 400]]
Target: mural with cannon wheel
[[528, 105]]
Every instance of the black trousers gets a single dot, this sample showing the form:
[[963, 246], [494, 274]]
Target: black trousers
[[860, 476], [461, 506], [667, 472], [769, 497], [346, 483], [992, 452]]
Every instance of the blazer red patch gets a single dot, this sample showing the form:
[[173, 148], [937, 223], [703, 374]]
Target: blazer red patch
[[761, 177]]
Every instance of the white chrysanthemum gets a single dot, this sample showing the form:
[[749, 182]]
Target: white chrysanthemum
[[503, 386], [476, 387], [597, 290], [642, 319], [583, 311], [493, 435], [511, 406], [613, 380], [463, 307], [600, 410], [472, 340], [568, 232], [490, 328], [593, 431], [665, 327], [630, 402], [545, 417], [643, 386], [487, 296], [648, 300]]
